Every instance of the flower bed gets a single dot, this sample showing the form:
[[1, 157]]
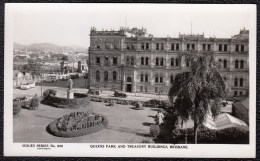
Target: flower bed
[[80, 101], [77, 124]]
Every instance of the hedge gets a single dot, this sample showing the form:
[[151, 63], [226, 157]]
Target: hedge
[[80, 101], [91, 127], [232, 135], [154, 103]]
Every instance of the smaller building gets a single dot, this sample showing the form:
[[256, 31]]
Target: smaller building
[[241, 110]]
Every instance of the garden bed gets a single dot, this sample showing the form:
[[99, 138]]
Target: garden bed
[[80, 101], [153, 103], [77, 124]]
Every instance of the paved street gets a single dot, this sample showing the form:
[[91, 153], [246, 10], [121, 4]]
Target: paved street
[[62, 91]]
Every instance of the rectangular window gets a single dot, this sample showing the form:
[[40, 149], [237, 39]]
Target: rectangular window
[[204, 47], [241, 82], [132, 46], [188, 46], [97, 60], [242, 48], [142, 46], [193, 46], [127, 46], [225, 47], [115, 46], [157, 46], [177, 47], [220, 47], [172, 46], [209, 47], [107, 45], [141, 89], [237, 48], [145, 89], [114, 60], [147, 46], [162, 46], [156, 90], [235, 93], [241, 93]]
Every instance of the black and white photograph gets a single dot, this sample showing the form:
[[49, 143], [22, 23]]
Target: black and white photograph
[[86, 79]]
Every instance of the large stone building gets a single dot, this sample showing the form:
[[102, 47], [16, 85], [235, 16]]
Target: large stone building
[[140, 63]]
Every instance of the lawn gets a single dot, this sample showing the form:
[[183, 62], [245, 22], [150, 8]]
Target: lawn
[[126, 125]]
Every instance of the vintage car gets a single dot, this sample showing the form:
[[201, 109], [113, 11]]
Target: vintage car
[[51, 79], [118, 93], [93, 91], [27, 85]]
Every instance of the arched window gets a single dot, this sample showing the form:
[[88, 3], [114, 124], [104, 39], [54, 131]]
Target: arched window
[[161, 62], [132, 61], [105, 76], [142, 77], [172, 62], [114, 75], [225, 63], [161, 78], [157, 61], [241, 82], [242, 64], [146, 61], [142, 61], [97, 76], [177, 62], [236, 82], [236, 64], [156, 78], [146, 77], [171, 79]]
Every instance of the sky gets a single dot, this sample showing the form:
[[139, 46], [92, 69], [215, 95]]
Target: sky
[[69, 24]]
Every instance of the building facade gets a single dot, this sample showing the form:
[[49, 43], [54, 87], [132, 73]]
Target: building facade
[[148, 64]]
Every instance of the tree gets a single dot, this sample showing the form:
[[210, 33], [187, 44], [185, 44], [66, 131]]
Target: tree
[[198, 92]]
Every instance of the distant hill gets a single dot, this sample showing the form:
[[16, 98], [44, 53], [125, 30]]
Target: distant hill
[[47, 47], [18, 46]]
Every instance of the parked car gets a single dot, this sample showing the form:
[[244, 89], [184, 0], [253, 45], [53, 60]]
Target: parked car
[[93, 91], [27, 85], [120, 94], [64, 77], [51, 79]]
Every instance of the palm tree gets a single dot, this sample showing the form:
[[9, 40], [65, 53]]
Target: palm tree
[[198, 92]]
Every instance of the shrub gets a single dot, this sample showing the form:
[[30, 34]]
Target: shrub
[[34, 104], [49, 92], [16, 108], [111, 103], [139, 106], [154, 131], [233, 135], [147, 141], [154, 103]]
